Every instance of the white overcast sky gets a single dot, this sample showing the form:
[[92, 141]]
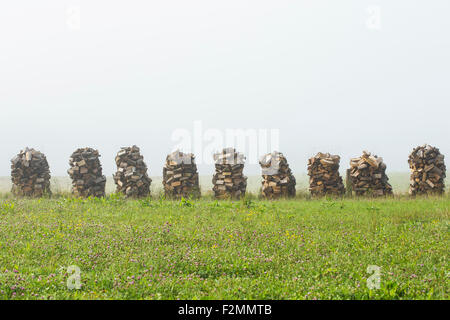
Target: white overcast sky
[[320, 71]]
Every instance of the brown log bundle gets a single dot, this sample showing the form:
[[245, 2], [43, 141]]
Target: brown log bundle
[[427, 171], [324, 177], [278, 180], [180, 176], [229, 181], [368, 176], [30, 174], [86, 173], [131, 177]]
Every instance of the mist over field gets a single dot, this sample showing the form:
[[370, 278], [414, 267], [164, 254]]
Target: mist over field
[[398, 180], [331, 76]]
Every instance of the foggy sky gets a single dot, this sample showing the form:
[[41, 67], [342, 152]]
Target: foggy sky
[[135, 71]]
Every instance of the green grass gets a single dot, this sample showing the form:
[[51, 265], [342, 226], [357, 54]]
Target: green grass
[[206, 249]]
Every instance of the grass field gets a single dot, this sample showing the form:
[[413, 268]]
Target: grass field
[[248, 249]]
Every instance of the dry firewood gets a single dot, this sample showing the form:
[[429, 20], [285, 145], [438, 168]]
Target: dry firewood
[[229, 181], [427, 171], [278, 180], [30, 174], [324, 177], [131, 177], [86, 173], [368, 176], [180, 176]]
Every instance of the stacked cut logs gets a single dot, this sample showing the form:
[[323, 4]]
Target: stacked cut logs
[[131, 176], [180, 176], [368, 176], [30, 174], [278, 180], [86, 173], [427, 171], [324, 177], [229, 180]]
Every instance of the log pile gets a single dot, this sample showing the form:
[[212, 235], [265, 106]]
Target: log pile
[[278, 180], [427, 171], [368, 176], [131, 177], [229, 181], [86, 173], [180, 176], [324, 177], [30, 174]]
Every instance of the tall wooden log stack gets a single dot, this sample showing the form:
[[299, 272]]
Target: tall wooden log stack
[[30, 174], [368, 176], [278, 180], [180, 176], [131, 177], [427, 171], [229, 180], [86, 173], [324, 177]]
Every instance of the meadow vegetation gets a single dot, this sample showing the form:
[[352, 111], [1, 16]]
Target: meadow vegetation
[[207, 249]]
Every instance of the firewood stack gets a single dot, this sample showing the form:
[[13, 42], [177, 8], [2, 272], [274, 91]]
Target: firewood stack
[[86, 173], [427, 171], [278, 180], [368, 176], [324, 177], [30, 174], [180, 176], [229, 181], [131, 176]]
